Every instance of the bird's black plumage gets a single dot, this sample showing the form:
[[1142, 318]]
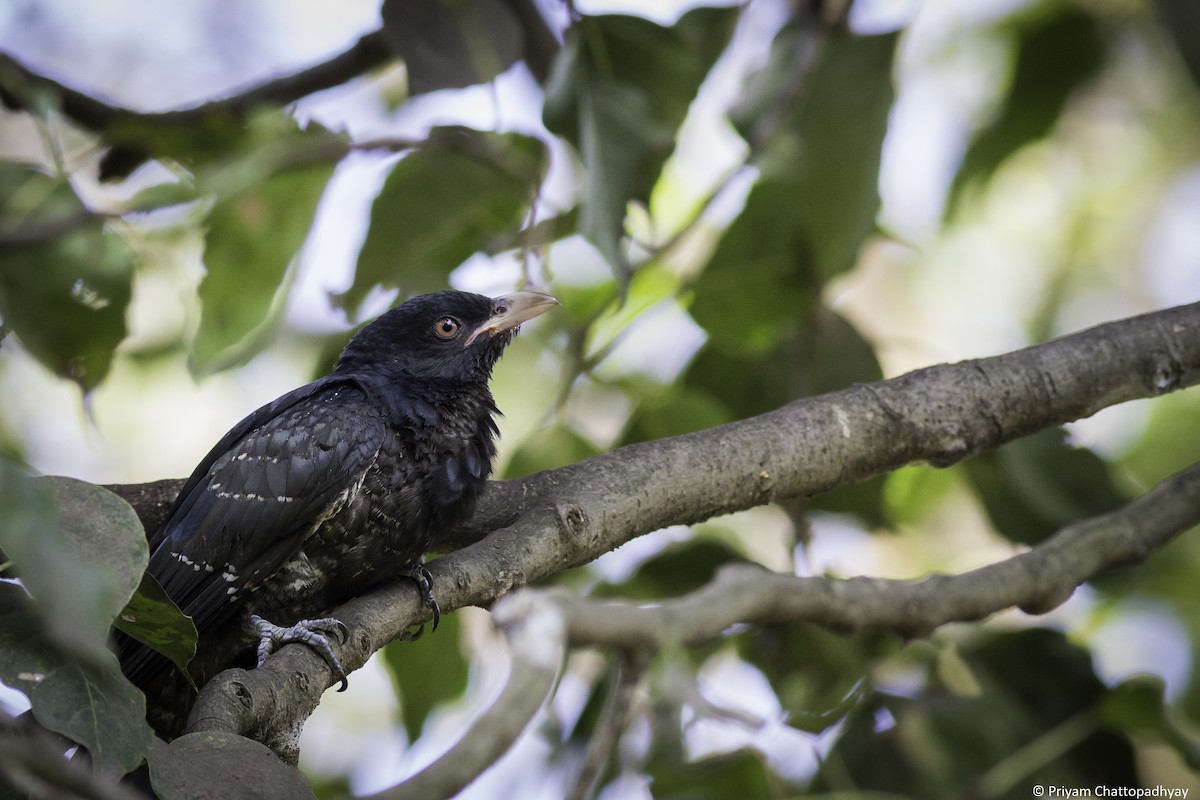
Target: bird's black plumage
[[332, 488]]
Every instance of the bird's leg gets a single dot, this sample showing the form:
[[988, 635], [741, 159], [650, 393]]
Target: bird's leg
[[313, 632], [424, 581]]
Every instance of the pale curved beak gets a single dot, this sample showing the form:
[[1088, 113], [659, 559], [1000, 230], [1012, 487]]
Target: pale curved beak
[[510, 310]]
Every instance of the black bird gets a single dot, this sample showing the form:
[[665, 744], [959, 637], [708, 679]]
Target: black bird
[[329, 490]]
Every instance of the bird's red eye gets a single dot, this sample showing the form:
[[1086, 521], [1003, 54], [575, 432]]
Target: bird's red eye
[[446, 327]]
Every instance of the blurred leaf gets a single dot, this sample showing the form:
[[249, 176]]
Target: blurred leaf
[[954, 673], [1059, 48], [673, 412], [1170, 443], [102, 533], [253, 236], [135, 138], [427, 673], [547, 448], [817, 131], [1136, 706], [215, 764], [1034, 486], [815, 201], [653, 284], [759, 284], [817, 675], [910, 494], [163, 195], [1181, 21], [448, 45], [680, 568], [582, 304], [442, 203], [226, 148], [1039, 699], [811, 354], [63, 291], [90, 703], [153, 619], [79, 550], [741, 774], [619, 92]]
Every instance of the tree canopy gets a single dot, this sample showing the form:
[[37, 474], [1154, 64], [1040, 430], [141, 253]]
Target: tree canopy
[[754, 534]]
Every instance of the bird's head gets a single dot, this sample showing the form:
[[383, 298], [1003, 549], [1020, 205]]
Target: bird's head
[[454, 337]]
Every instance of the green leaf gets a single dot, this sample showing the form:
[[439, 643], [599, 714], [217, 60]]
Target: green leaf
[[1059, 47], [801, 352], [79, 550], [620, 90], [1181, 21], [451, 198], [427, 673], [1036, 485], [674, 412], [451, 45], [742, 774], [1034, 722], [547, 448], [221, 764], [253, 236], [680, 568], [135, 138], [818, 675], [1136, 706], [757, 287], [65, 288], [91, 703], [102, 530], [153, 619], [819, 149], [1170, 443], [910, 494]]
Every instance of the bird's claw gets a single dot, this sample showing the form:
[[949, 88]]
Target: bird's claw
[[424, 581], [312, 632]]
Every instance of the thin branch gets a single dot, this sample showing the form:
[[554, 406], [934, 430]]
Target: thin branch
[[536, 641], [547, 522], [1036, 581], [19, 85], [614, 719]]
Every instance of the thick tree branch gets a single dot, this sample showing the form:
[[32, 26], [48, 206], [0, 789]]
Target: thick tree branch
[[562, 518], [1037, 581]]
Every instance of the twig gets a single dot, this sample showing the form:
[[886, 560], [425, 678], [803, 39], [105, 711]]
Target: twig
[[18, 84], [614, 719], [533, 629]]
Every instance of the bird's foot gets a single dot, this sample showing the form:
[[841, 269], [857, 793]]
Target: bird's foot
[[312, 632], [424, 581]]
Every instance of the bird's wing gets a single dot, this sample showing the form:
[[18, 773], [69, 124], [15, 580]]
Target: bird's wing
[[266, 484]]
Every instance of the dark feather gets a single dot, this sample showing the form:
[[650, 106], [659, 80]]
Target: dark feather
[[332, 488]]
